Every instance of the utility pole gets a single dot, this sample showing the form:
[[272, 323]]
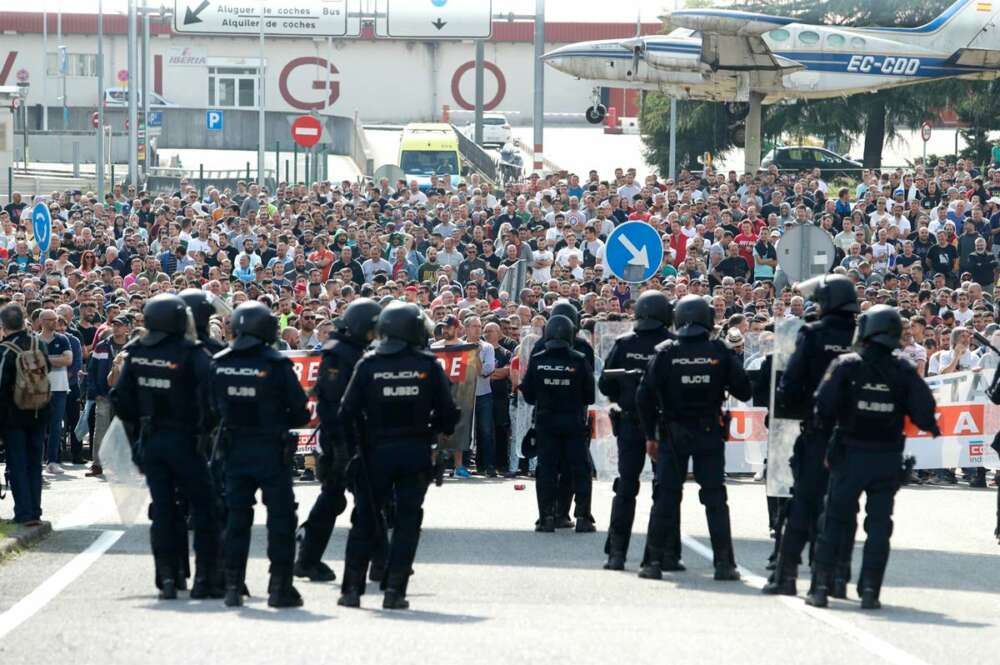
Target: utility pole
[[133, 106], [261, 97], [480, 57], [538, 119], [45, 73], [61, 59], [145, 88], [99, 162]]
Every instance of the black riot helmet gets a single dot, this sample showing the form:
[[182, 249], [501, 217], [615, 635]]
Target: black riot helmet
[[559, 332], [834, 294], [565, 308], [164, 315], [359, 319], [202, 309], [653, 311], [253, 324], [693, 317], [881, 325], [400, 325]]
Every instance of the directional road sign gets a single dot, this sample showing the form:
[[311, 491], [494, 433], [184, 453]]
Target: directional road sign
[[213, 120], [434, 19], [41, 222], [634, 252], [805, 251], [290, 18], [306, 131]]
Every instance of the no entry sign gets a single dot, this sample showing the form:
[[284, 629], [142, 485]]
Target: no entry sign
[[306, 131]]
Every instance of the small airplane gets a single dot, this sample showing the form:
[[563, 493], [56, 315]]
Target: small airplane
[[749, 59]]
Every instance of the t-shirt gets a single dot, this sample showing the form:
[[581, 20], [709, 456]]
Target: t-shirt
[[59, 376], [942, 259]]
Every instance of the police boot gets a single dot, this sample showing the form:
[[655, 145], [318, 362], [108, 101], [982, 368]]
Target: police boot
[[234, 587], [585, 525], [166, 572], [725, 566], [819, 590], [352, 587], [546, 524], [616, 552], [838, 585], [280, 591], [315, 572], [651, 571], [206, 583], [869, 586], [563, 522], [395, 593], [782, 581]]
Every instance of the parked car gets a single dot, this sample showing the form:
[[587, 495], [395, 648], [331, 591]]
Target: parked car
[[496, 129], [805, 158], [117, 98]]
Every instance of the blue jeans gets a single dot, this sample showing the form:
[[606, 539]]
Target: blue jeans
[[485, 448], [24, 462], [57, 411]]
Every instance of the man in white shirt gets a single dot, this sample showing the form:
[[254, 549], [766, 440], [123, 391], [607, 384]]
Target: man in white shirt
[[562, 256], [629, 189], [542, 262], [483, 423], [956, 359]]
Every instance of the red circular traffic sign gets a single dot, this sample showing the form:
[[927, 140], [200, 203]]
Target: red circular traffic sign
[[306, 131], [925, 131], [94, 119]]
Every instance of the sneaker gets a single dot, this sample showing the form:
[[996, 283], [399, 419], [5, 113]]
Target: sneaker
[[54, 469], [95, 470], [510, 475], [462, 472]]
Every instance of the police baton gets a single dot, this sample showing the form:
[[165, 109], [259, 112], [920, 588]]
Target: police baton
[[979, 337]]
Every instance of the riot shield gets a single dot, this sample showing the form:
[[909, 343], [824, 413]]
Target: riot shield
[[603, 445], [523, 412], [782, 432], [757, 348], [128, 488]]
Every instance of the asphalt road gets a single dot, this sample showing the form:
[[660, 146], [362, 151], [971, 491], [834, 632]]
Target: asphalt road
[[488, 589]]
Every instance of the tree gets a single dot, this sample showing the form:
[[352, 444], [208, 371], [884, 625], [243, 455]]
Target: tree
[[879, 115]]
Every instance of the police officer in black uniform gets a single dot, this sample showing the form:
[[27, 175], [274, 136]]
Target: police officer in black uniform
[[259, 399], [355, 330], [397, 402], [559, 383], [682, 393], [818, 344], [564, 307], [866, 396], [630, 355], [162, 396]]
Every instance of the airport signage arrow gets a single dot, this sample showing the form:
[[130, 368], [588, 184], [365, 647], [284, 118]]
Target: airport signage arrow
[[284, 18], [434, 19]]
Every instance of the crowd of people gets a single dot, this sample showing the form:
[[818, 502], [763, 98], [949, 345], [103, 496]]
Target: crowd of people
[[925, 240]]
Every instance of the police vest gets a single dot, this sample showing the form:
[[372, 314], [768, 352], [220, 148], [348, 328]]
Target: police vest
[[165, 384], [398, 397], [632, 352], [875, 413], [249, 390], [695, 382], [559, 383]]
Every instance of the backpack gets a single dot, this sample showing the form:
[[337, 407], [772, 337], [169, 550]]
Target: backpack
[[31, 387]]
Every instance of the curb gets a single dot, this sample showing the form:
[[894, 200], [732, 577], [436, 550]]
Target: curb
[[23, 536]]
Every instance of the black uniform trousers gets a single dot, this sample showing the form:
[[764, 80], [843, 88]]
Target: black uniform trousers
[[557, 447], [172, 465], [806, 505], [701, 444], [398, 471], [857, 470], [254, 462], [318, 527]]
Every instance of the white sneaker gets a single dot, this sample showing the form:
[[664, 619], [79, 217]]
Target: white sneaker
[[55, 469]]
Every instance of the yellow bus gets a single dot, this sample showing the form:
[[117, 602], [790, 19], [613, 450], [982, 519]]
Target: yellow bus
[[429, 149]]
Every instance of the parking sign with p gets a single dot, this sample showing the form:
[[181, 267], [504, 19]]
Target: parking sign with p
[[213, 120]]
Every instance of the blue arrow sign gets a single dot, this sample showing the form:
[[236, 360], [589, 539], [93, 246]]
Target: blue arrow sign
[[634, 252], [41, 221]]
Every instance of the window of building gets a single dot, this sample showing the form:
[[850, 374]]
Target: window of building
[[232, 87], [77, 64]]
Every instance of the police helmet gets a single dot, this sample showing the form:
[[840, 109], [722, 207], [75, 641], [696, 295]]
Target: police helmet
[[693, 317], [359, 319], [832, 293], [563, 307], [385, 300], [881, 325], [200, 304], [164, 315], [400, 325], [253, 324], [653, 311], [559, 333]]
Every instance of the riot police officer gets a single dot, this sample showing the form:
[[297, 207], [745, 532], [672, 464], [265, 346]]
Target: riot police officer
[[259, 399], [866, 397], [397, 402], [564, 307], [354, 332], [682, 393], [624, 366], [162, 396], [559, 383], [202, 306], [818, 344]]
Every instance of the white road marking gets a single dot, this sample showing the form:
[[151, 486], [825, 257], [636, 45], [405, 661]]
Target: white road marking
[[25, 608], [878, 647], [98, 505]]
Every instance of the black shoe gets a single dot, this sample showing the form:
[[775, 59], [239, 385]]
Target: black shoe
[[584, 525], [673, 566], [616, 561], [315, 572], [546, 525], [235, 588], [168, 589], [869, 600], [394, 600], [781, 587], [564, 523], [233, 597], [510, 475], [204, 587], [349, 599], [818, 597], [979, 483], [726, 572], [838, 588], [651, 571], [281, 593], [491, 473]]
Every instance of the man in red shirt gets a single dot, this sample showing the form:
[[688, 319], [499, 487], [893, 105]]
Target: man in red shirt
[[639, 213], [321, 256], [678, 242], [746, 241]]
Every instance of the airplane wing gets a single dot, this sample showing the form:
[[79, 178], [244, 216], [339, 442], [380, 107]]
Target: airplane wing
[[734, 40]]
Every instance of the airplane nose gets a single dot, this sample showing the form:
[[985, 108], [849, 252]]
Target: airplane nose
[[562, 59]]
